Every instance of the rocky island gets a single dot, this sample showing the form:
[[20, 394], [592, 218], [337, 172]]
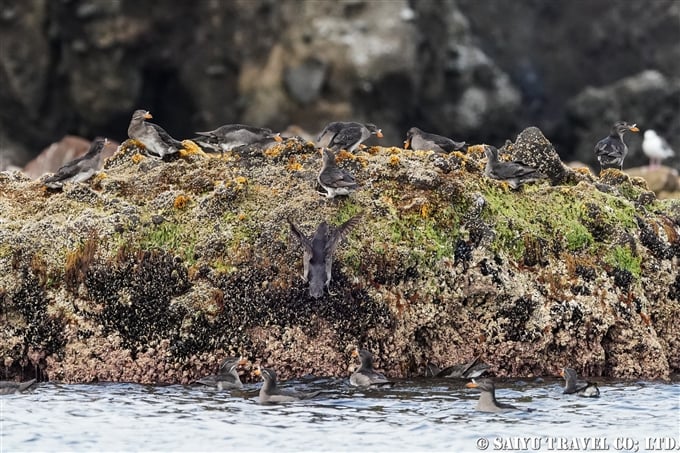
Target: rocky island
[[154, 270]]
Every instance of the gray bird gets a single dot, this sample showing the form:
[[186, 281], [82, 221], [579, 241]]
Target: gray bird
[[227, 376], [346, 135], [473, 369], [232, 136], [487, 400], [365, 375], [11, 387], [588, 390], [514, 173], [334, 179], [271, 394], [80, 169], [417, 139], [318, 252], [152, 136], [611, 150]]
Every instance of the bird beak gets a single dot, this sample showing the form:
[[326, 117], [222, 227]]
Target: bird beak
[[355, 353], [256, 372], [562, 372], [379, 134], [277, 138], [242, 361], [633, 128], [471, 385], [407, 143], [147, 116]]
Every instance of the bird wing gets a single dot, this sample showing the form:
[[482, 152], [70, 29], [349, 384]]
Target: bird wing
[[609, 148], [336, 177], [67, 171], [165, 137], [346, 136], [509, 170], [340, 232], [444, 143]]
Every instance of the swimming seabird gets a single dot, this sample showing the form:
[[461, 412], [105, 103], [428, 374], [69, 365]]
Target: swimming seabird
[[365, 375]]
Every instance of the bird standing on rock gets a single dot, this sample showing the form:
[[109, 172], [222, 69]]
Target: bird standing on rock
[[334, 179], [317, 259], [417, 139], [346, 135], [271, 394], [152, 136], [514, 173], [365, 375], [80, 169], [656, 148], [232, 136], [611, 150]]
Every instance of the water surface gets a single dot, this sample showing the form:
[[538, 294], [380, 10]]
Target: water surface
[[418, 415]]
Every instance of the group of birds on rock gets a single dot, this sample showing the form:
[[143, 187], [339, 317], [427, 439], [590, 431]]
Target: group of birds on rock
[[349, 136]]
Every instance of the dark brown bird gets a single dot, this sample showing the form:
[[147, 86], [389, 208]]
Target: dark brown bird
[[473, 369], [417, 139], [514, 173], [10, 387], [152, 136], [334, 179], [80, 169], [365, 375], [571, 386], [227, 376], [317, 258], [346, 135], [270, 393], [611, 150], [487, 399]]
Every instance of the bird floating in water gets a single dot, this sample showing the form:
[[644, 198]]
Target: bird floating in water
[[487, 400], [11, 387], [346, 135], [270, 393], [152, 136], [365, 375], [588, 390], [417, 139], [334, 179], [80, 169], [656, 148], [227, 376], [514, 173], [611, 150], [318, 252], [472, 369]]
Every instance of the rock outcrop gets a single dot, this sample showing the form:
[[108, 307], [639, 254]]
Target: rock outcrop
[[153, 271]]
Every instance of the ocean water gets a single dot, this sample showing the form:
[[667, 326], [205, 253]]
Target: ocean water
[[415, 415]]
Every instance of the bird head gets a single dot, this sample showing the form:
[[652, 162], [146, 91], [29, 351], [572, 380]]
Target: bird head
[[622, 127], [491, 152], [374, 129]]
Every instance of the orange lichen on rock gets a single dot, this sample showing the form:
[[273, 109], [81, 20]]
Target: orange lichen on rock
[[394, 160], [190, 148], [293, 165], [137, 158], [181, 202]]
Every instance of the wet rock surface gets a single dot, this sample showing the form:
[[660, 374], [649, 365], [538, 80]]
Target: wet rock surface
[[154, 271]]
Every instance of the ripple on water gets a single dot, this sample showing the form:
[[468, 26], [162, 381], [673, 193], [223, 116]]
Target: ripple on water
[[412, 415]]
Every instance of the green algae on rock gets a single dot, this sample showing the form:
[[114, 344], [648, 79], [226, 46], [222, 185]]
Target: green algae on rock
[[154, 271]]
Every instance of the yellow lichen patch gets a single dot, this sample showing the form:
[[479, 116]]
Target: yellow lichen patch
[[190, 148], [240, 180], [475, 149], [136, 143], [241, 217], [181, 202], [374, 149], [394, 161], [362, 160], [395, 150], [275, 151], [137, 158], [293, 165], [583, 171], [425, 210], [344, 155]]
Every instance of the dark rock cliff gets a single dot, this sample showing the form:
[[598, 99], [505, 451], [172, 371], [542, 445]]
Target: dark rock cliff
[[475, 71]]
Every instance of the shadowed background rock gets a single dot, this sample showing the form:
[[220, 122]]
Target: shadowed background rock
[[479, 71]]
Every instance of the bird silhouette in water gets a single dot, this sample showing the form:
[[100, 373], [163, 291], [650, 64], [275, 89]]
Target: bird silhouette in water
[[318, 252]]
